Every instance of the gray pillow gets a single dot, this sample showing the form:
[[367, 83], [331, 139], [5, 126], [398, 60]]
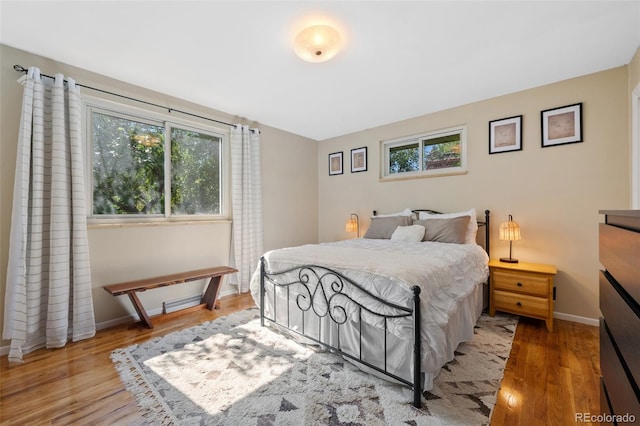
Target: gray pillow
[[383, 227], [452, 230]]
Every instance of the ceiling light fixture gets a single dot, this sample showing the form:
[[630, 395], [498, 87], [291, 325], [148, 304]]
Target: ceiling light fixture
[[317, 43]]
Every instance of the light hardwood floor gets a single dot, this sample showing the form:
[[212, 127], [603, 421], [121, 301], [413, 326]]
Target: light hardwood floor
[[548, 378]]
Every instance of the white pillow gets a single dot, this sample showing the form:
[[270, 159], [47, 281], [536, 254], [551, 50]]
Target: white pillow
[[472, 227], [411, 233], [405, 212]]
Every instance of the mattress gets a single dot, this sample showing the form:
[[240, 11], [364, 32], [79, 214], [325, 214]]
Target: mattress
[[450, 277]]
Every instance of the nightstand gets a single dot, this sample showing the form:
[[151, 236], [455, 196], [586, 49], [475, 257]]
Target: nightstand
[[523, 289]]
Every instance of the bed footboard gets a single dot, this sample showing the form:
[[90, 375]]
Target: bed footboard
[[328, 294]]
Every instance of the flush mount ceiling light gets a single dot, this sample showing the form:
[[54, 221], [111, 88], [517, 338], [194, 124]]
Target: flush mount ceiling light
[[317, 43]]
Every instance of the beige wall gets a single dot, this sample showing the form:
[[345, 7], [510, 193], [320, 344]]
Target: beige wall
[[553, 193], [290, 194]]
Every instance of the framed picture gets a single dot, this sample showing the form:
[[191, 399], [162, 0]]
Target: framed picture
[[505, 135], [562, 125], [359, 160], [335, 163]]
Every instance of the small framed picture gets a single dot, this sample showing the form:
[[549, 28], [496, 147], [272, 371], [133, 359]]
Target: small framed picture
[[359, 160], [335, 163], [505, 135], [561, 125]]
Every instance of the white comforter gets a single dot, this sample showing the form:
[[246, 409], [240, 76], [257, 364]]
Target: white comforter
[[445, 273]]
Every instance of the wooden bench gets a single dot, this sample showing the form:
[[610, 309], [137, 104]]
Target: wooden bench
[[209, 297]]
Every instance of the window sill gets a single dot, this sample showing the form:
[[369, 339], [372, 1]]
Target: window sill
[[101, 224], [422, 176]]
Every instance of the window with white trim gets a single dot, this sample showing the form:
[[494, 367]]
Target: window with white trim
[[436, 153], [144, 165]]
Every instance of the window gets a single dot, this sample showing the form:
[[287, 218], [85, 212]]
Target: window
[[144, 166], [195, 177], [437, 153]]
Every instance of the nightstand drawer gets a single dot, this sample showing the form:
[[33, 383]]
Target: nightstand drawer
[[525, 283], [523, 289], [521, 304]]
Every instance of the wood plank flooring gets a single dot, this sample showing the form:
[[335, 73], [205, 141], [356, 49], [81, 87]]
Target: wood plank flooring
[[548, 378]]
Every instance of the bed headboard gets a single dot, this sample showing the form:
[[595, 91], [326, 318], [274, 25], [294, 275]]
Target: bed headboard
[[481, 223]]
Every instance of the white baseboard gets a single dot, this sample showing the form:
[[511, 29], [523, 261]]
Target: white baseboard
[[114, 322], [228, 292], [150, 312], [574, 318], [4, 350]]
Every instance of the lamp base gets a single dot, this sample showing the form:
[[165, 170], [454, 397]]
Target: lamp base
[[508, 260]]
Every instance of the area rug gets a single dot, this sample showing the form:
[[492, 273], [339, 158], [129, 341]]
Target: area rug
[[232, 371]]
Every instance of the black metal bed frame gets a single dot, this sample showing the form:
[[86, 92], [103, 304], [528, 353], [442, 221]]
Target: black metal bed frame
[[313, 281]]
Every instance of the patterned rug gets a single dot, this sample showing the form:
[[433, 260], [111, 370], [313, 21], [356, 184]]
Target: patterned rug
[[231, 371]]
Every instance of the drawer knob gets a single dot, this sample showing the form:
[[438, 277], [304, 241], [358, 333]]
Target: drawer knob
[[519, 304], [519, 284]]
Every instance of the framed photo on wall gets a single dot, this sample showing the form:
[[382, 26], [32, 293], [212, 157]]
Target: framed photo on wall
[[335, 163], [359, 160], [505, 135], [561, 125]]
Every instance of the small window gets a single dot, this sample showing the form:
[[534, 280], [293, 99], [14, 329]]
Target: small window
[[431, 154], [404, 158], [442, 152], [146, 167]]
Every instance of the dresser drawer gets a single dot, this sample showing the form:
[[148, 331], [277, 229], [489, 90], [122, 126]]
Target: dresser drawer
[[619, 252], [519, 282], [605, 405], [521, 304], [623, 322], [620, 391]]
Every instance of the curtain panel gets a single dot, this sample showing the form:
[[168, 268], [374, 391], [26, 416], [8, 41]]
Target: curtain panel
[[48, 296], [246, 199]]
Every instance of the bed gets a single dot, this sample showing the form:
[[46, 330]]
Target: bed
[[396, 303]]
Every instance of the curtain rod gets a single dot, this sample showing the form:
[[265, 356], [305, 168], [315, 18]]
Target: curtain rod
[[20, 68]]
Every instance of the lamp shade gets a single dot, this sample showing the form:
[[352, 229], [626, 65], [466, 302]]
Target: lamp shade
[[317, 43], [510, 230], [353, 224]]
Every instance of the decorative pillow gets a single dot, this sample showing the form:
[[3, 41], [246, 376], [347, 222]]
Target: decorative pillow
[[383, 227], [472, 227], [411, 234], [451, 230]]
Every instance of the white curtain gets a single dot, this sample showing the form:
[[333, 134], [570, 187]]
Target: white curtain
[[48, 294], [246, 194]]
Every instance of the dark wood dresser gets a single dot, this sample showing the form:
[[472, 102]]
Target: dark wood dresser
[[620, 321]]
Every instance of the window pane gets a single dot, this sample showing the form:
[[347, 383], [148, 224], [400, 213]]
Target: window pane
[[442, 152], [404, 158], [195, 172], [128, 166]]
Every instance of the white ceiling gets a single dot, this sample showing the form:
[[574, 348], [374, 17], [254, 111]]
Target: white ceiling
[[402, 59]]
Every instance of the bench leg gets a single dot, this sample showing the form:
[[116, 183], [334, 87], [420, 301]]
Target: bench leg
[[144, 318], [210, 296]]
